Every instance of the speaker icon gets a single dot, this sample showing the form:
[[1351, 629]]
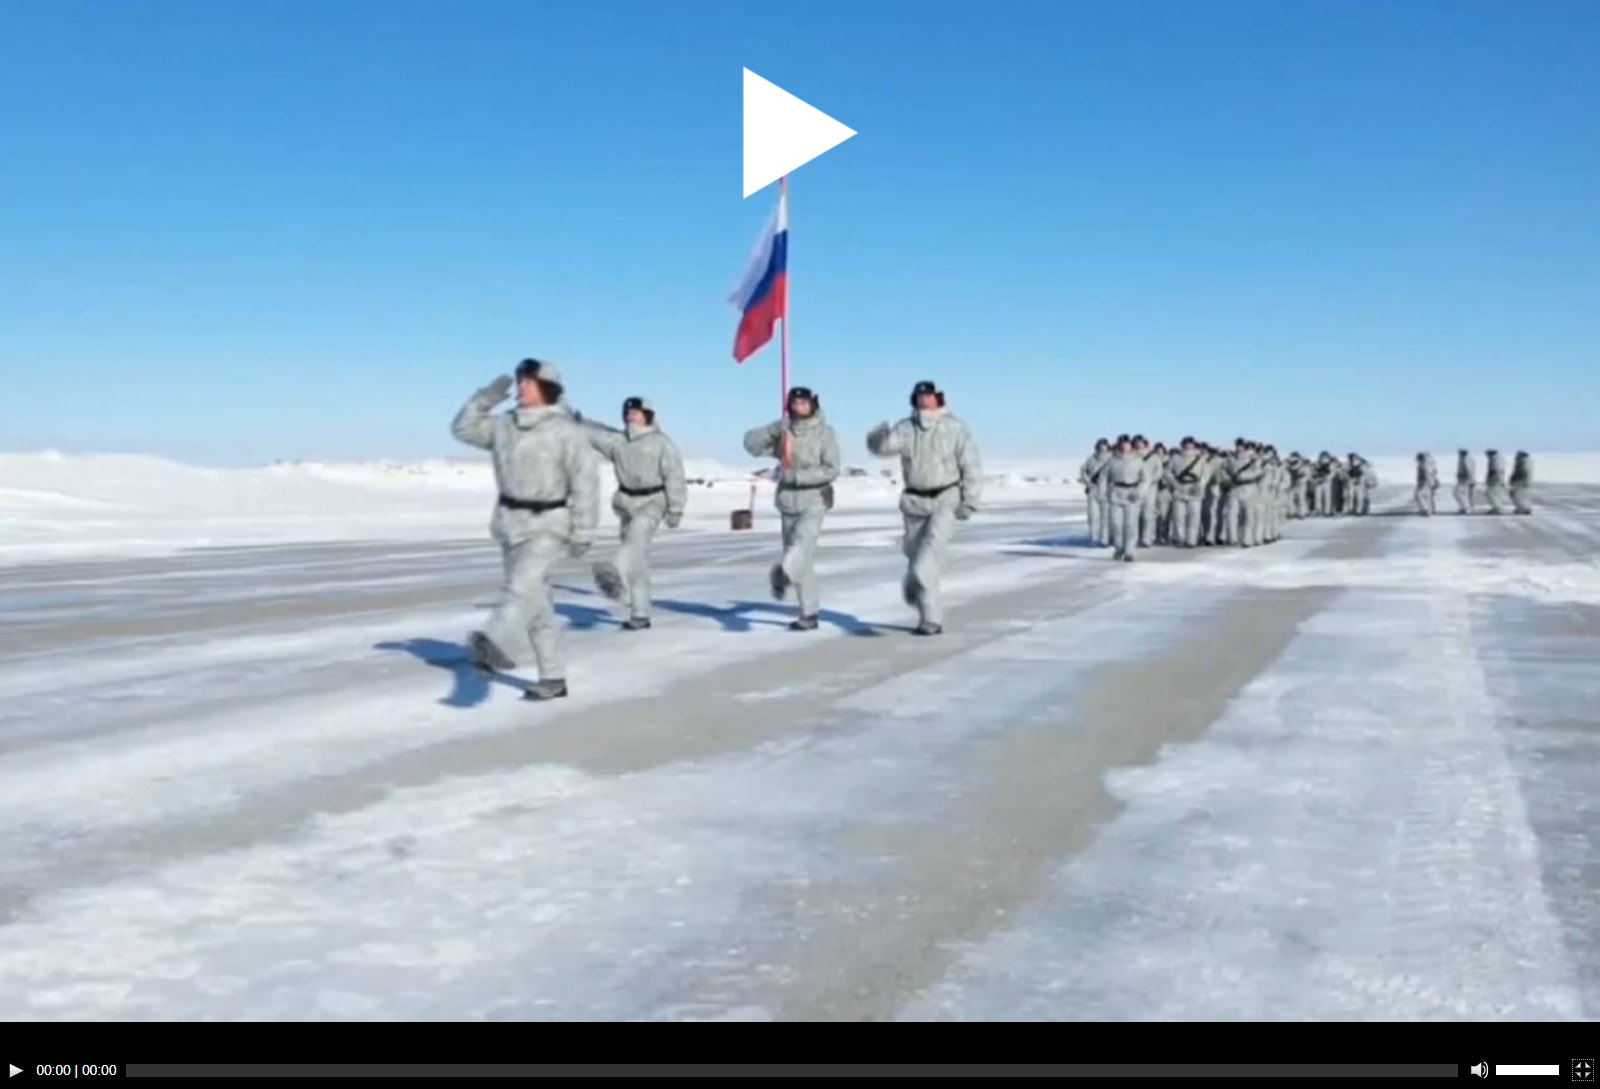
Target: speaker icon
[[1482, 1070]]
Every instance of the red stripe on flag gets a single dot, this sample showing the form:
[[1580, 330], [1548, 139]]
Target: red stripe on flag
[[755, 327]]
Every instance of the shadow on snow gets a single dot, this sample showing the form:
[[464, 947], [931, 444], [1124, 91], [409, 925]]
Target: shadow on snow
[[469, 687]]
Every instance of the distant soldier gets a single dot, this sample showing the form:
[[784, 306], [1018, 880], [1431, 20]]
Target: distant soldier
[[804, 494], [1299, 486], [1189, 471], [1147, 490], [548, 507], [1092, 476], [1495, 482], [1363, 479], [942, 479], [1522, 482], [1248, 472], [1213, 531], [1287, 486], [1427, 484], [1466, 481], [1163, 530], [1323, 484], [1275, 489], [1125, 476]]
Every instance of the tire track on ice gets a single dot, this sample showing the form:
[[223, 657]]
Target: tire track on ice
[[1025, 727], [1350, 842]]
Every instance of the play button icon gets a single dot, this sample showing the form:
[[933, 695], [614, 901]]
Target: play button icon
[[15, 1070], [782, 133]]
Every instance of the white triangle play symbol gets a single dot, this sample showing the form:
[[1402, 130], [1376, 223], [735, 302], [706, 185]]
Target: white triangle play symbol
[[782, 133], [15, 1070]]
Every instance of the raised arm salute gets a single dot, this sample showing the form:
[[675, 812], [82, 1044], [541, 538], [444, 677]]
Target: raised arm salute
[[942, 476], [547, 507]]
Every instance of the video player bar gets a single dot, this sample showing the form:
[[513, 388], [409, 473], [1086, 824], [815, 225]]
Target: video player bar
[[1579, 1070]]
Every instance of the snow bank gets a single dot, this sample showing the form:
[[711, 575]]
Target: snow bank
[[56, 506]]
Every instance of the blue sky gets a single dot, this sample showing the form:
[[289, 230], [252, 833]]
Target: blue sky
[[236, 231]]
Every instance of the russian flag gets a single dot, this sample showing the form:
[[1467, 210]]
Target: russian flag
[[762, 296]]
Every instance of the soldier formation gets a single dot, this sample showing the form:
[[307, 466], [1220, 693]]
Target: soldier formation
[[1495, 486], [548, 506], [1196, 494], [545, 456]]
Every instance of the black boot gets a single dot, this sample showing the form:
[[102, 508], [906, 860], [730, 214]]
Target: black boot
[[778, 581], [910, 591], [928, 627], [635, 623], [608, 580], [486, 656], [547, 690], [805, 623]]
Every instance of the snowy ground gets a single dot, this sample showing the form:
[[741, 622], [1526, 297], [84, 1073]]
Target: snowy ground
[[1354, 775]]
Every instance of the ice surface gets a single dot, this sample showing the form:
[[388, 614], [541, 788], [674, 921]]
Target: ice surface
[[1349, 842], [1341, 777]]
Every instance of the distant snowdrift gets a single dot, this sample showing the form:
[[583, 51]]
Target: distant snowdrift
[[59, 506], [444, 473], [55, 506]]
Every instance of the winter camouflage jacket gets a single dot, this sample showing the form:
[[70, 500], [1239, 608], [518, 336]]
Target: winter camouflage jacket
[[1276, 482], [540, 455], [1092, 474], [814, 461], [1188, 472], [1427, 472], [645, 460], [936, 451], [1247, 469], [1125, 475], [1153, 468]]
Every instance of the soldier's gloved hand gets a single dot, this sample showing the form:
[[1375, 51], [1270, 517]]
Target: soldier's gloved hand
[[965, 511], [577, 548], [498, 390], [673, 520]]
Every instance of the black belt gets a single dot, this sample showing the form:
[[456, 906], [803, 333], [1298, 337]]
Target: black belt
[[931, 493], [536, 506], [790, 487], [1119, 484], [642, 491]]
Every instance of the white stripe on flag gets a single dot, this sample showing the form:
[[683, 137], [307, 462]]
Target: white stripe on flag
[[761, 255]]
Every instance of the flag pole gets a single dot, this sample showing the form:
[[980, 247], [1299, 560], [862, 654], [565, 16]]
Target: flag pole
[[783, 190]]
